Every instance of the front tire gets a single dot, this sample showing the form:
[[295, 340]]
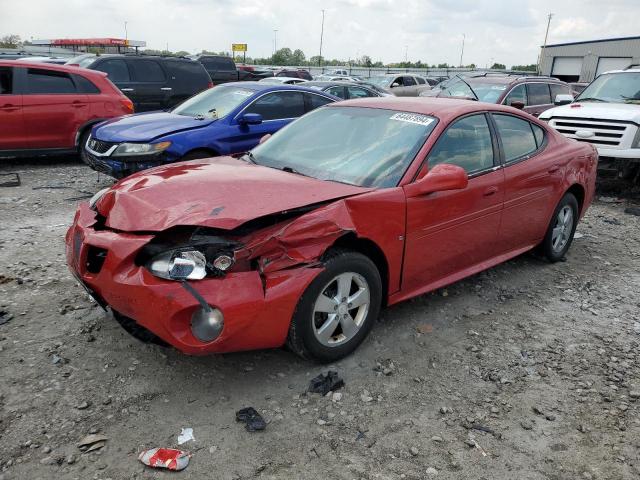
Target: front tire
[[338, 309], [561, 229]]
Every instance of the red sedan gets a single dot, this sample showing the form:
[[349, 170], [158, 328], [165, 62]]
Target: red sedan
[[356, 205], [50, 109]]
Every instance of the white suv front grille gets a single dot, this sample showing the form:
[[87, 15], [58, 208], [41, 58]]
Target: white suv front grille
[[607, 133]]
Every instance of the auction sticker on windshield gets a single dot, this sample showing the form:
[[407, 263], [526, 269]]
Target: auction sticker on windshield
[[412, 118]]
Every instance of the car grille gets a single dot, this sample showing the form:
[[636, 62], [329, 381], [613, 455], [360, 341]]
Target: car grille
[[99, 146], [603, 132]]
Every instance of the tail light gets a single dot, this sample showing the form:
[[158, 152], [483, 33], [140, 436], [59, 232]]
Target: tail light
[[127, 104]]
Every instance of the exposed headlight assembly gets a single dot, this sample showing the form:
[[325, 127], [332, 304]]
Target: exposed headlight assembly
[[127, 149], [187, 265]]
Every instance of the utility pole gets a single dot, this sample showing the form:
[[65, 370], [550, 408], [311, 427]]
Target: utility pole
[[406, 53], [544, 46], [275, 41], [321, 36], [126, 35], [462, 51]]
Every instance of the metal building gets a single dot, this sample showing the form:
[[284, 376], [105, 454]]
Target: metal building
[[584, 61]]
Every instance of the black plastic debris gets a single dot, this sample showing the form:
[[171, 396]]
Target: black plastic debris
[[253, 420], [633, 211], [9, 180], [5, 317], [324, 384]]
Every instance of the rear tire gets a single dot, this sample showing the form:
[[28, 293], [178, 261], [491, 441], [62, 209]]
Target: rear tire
[[338, 308], [561, 229], [84, 136]]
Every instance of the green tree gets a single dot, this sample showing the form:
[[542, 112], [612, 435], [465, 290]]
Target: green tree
[[443, 65], [525, 68], [498, 66], [298, 57], [283, 56], [10, 41]]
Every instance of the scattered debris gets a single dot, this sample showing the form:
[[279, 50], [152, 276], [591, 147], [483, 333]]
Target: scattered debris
[[168, 458], [324, 384], [251, 418], [92, 442], [633, 211], [5, 317], [386, 367], [425, 328], [186, 435], [577, 235], [11, 179]]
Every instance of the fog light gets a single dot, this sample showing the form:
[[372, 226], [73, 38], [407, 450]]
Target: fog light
[[207, 324]]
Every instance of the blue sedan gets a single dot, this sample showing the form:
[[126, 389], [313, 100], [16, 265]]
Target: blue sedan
[[223, 120]]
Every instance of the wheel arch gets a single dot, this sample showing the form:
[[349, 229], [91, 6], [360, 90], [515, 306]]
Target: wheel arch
[[82, 129], [579, 192], [207, 150], [371, 250]]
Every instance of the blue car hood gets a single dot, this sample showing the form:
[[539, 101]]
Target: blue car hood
[[145, 127]]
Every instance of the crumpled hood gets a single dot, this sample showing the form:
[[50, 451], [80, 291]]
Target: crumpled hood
[[596, 111], [220, 192], [145, 127]]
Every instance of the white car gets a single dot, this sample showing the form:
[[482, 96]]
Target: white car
[[283, 80], [607, 115]]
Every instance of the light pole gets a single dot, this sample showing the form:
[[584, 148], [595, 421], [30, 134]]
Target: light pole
[[275, 41], [462, 51], [544, 46], [321, 35], [406, 53], [126, 35]]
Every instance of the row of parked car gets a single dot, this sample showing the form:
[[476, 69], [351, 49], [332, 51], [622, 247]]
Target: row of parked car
[[53, 109]]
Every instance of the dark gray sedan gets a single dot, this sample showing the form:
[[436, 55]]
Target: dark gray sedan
[[347, 90]]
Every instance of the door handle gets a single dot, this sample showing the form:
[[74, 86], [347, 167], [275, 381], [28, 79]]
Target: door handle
[[553, 168], [78, 104], [126, 89], [166, 89], [9, 107], [490, 191]]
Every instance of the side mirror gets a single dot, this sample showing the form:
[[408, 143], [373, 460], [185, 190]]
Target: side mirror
[[440, 178], [517, 104], [395, 84], [250, 119], [563, 99], [264, 138]]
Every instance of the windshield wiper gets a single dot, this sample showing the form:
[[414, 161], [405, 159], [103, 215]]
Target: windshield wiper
[[472, 90], [590, 99], [292, 170], [249, 157]]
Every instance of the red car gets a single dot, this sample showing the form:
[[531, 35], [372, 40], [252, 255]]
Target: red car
[[48, 108], [356, 205]]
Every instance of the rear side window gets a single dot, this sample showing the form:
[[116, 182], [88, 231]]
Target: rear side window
[[518, 94], [147, 71], [192, 70], [218, 63], [316, 101], [420, 80], [359, 92], [337, 91], [48, 82], [467, 143], [408, 81], [85, 85], [539, 134], [278, 105], [116, 70], [538, 93], [6, 80], [557, 89], [517, 137]]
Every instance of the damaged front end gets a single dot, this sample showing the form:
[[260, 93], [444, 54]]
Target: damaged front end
[[204, 289]]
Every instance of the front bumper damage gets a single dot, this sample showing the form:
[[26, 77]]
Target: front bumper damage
[[120, 167], [257, 304]]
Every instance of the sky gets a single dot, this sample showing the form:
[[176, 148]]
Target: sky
[[503, 31]]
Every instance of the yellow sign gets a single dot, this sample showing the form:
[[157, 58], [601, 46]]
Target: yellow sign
[[239, 47]]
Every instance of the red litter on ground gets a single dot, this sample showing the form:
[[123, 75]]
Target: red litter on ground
[[168, 458]]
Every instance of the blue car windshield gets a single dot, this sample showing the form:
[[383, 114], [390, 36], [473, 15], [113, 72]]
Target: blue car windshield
[[368, 147], [213, 103]]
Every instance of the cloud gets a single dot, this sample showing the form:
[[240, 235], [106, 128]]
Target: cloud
[[507, 31]]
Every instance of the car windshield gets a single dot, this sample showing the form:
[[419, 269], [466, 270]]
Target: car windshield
[[213, 103], [368, 147], [613, 87], [85, 62], [379, 81], [488, 92]]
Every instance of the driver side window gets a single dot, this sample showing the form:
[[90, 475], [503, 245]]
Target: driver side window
[[466, 143], [518, 94], [278, 105]]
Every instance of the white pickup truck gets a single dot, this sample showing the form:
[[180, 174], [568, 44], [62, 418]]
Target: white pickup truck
[[606, 114]]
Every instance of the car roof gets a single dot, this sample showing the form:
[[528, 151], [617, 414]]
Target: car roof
[[443, 108], [52, 66], [262, 86]]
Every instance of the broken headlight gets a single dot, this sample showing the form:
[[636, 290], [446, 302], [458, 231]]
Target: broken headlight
[[188, 265]]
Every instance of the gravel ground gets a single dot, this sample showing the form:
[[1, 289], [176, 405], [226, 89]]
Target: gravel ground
[[528, 371]]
